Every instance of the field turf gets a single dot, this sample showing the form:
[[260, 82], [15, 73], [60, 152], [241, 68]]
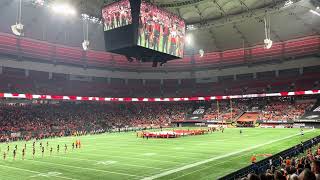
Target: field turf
[[124, 156]]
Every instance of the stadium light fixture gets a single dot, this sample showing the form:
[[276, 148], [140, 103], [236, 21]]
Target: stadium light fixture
[[86, 42], [63, 9], [314, 12], [17, 29], [85, 45], [267, 41], [288, 3], [201, 52]]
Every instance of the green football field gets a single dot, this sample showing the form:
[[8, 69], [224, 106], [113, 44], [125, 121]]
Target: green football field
[[124, 156]]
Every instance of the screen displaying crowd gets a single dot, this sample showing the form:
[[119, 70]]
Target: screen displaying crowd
[[116, 15], [160, 30]]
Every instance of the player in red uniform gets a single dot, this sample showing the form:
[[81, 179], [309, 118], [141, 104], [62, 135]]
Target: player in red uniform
[[165, 31], [173, 34], [23, 153], [156, 36]]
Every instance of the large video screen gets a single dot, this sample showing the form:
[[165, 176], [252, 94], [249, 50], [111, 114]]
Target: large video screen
[[161, 30], [116, 15]]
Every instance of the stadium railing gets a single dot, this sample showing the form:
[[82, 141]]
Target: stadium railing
[[53, 53], [263, 165]]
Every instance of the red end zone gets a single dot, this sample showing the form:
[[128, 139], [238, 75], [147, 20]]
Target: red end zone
[[172, 134]]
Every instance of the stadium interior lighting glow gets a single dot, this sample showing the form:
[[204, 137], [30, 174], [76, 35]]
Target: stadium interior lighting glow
[[189, 39], [63, 9], [288, 3], [314, 12]]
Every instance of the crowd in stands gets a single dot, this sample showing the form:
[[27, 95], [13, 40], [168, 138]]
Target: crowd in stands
[[284, 110], [305, 167], [63, 119], [31, 120]]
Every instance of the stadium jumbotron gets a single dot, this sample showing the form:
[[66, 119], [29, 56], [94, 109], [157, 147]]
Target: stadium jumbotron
[[161, 89]]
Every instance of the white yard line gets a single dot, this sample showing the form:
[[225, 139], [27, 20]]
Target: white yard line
[[216, 158], [120, 163], [123, 157], [83, 168], [35, 172]]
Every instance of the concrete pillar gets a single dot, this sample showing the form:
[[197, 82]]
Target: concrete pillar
[[126, 81], [144, 82], [234, 77], [50, 75], [277, 73], [26, 72], [254, 75], [1, 69]]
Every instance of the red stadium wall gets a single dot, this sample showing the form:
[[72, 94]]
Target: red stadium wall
[[53, 53]]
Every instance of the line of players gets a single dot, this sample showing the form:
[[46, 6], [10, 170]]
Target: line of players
[[117, 15], [154, 24], [76, 145]]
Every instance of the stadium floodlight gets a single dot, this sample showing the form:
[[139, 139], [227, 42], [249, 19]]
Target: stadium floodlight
[[17, 29], [63, 9], [314, 12], [318, 7], [201, 52]]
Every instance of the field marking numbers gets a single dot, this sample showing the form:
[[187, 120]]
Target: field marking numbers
[[120, 163], [106, 163], [216, 158], [37, 172], [83, 168]]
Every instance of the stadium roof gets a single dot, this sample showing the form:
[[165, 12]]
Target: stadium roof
[[228, 24], [215, 24]]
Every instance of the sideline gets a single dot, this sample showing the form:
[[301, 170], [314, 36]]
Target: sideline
[[216, 158]]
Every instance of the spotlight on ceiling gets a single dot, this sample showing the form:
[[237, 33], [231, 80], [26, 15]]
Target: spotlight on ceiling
[[63, 9], [85, 45], [314, 12]]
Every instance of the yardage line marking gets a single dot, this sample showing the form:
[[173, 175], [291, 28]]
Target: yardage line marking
[[142, 159], [76, 167], [35, 172], [89, 160], [216, 158], [206, 167], [139, 154]]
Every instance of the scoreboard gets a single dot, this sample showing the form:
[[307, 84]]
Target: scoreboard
[[141, 30]]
